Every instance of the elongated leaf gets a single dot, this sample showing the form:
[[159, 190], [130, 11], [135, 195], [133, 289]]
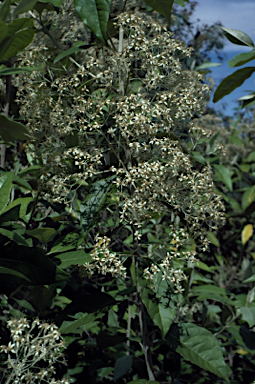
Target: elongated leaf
[[43, 234], [250, 279], [241, 59], [95, 15], [3, 30], [5, 189], [32, 263], [24, 6], [8, 271], [213, 239], [248, 197], [23, 202], [247, 233], [207, 65], [161, 313], [248, 315], [199, 346], [164, 7], [56, 3], [18, 25], [5, 9], [11, 46], [72, 258], [237, 37], [14, 236], [71, 326], [74, 49], [122, 366], [15, 71], [12, 130], [224, 174], [143, 381], [232, 82], [94, 204]]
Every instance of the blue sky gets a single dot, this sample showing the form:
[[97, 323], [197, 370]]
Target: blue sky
[[233, 14]]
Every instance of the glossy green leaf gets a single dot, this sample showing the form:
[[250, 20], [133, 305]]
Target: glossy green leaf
[[95, 15], [32, 263], [11, 46], [71, 241], [71, 326], [162, 313], [241, 59], [24, 6], [75, 48], [164, 7], [232, 82], [4, 10], [122, 366], [224, 175], [248, 315], [213, 239], [198, 346], [72, 258], [14, 236], [12, 130], [43, 234], [237, 37], [5, 189], [4, 71], [248, 197]]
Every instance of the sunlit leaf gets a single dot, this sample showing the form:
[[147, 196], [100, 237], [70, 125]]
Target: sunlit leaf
[[237, 37], [248, 197], [246, 234], [241, 59]]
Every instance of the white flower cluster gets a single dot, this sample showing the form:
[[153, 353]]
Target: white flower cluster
[[103, 260], [31, 344]]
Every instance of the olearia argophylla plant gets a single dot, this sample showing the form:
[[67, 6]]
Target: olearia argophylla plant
[[130, 112]]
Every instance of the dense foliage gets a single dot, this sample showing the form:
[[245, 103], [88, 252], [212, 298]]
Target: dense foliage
[[126, 210]]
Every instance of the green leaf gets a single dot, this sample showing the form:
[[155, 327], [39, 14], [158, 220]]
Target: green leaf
[[207, 65], [11, 46], [11, 130], [8, 271], [4, 10], [250, 279], [232, 82], [71, 240], [143, 381], [72, 258], [94, 204], [74, 49], [180, 2], [248, 315], [32, 263], [213, 239], [16, 71], [5, 189], [56, 3], [43, 234], [248, 197], [35, 169], [24, 6], [18, 25], [23, 202], [224, 175], [164, 7], [198, 157], [3, 30], [241, 59], [14, 236], [237, 37], [198, 346], [71, 326], [161, 313], [122, 366], [95, 15]]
